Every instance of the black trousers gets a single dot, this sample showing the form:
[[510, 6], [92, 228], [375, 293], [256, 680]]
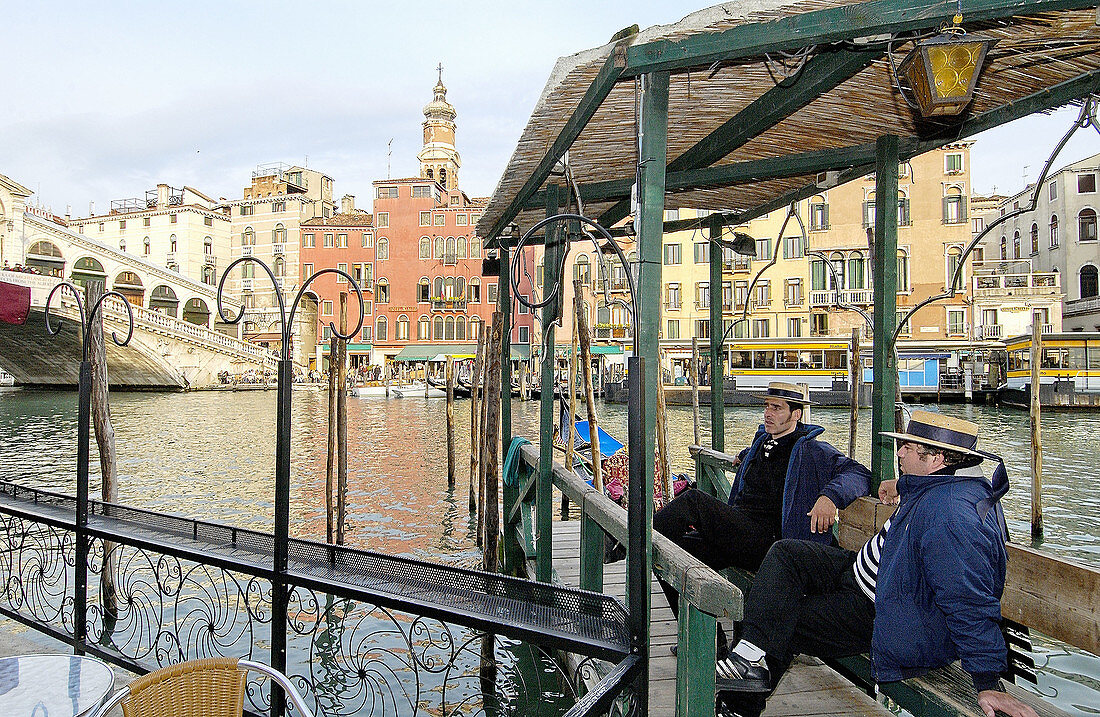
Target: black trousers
[[804, 600], [719, 535]]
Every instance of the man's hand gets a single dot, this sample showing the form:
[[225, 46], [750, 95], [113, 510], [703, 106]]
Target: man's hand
[[822, 515], [990, 700], [888, 492]]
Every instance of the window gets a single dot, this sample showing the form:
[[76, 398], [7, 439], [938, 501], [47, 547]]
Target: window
[[422, 191], [792, 248], [702, 295], [439, 220], [308, 242], [954, 258], [763, 293], [473, 291], [440, 246], [953, 163], [760, 328], [1089, 286], [401, 329], [702, 328], [1053, 187], [368, 240], [899, 320], [172, 219], [794, 327], [326, 308], [122, 245], [146, 246], [740, 294], [307, 270], [702, 252], [382, 219], [423, 290], [382, 292], [582, 270], [101, 225], [905, 218], [423, 329], [727, 296], [280, 266], [524, 308], [425, 219], [146, 221], [382, 251], [491, 293], [387, 192], [122, 224], [868, 213], [819, 218], [819, 325], [1004, 247], [475, 248], [956, 322], [856, 270], [672, 329], [208, 246], [278, 206], [380, 329], [437, 328], [461, 220], [672, 296], [341, 241], [954, 207], [672, 254], [172, 243], [329, 240], [793, 293], [977, 224], [903, 270], [208, 221], [247, 210], [763, 249], [1016, 245], [836, 277], [463, 250], [1034, 238], [1086, 183], [367, 332], [1086, 225], [524, 335], [1054, 231], [340, 279]]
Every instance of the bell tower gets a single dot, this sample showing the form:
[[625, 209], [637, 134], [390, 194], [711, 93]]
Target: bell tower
[[439, 159]]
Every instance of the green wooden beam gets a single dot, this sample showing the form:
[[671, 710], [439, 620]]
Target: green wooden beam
[[824, 26], [885, 257], [717, 362], [593, 98], [544, 490], [823, 72]]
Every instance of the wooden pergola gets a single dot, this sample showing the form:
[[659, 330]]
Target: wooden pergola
[[748, 107]]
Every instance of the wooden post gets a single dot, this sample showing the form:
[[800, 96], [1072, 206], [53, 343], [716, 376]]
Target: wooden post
[[570, 439], [486, 379], [474, 413], [451, 422], [854, 381], [491, 428], [342, 422], [662, 438], [694, 374], [885, 270], [1036, 433], [108, 455], [584, 340], [330, 461], [386, 376]]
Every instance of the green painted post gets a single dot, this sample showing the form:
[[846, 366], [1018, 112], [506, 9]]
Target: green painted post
[[717, 330], [592, 551], [695, 657], [652, 158], [511, 547], [544, 490], [885, 295]]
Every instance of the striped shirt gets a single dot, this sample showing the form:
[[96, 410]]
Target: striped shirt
[[866, 565]]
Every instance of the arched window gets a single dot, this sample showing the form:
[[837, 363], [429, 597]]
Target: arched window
[[1089, 286], [1034, 238], [475, 328], [208, 275], [380, 333], [248, 238], [475, 248], [856, 271], [425, 248], [1086, 225], [122, 245], [540, 267], [462, 249], [460, 288], [473, 290], [431, 173], [382, 292], [424, 290], [402, 329], [903, 270], [172, 243], [954, 258], [1004, 247], [837, 260], [1053, 230], [437, 288], [382, 249], [1016, 245], [437, 328], [582, 269], [280, 266], [45, 248], [443, 176], [449, 288], [208, 246], [278, 234], [423, 329], [451, 250], [449, 328], [460, 328], [146, 245], [440, 245]]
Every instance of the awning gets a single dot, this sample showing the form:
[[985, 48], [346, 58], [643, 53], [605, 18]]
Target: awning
[[430, 352], [594, 350]]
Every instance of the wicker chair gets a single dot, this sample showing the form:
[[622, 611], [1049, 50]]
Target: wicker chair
[[212, 687]]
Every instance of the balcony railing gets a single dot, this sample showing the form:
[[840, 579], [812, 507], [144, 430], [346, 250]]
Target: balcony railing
[[448, 304], [208, 260], [246, 250], [989, 332], [1081, 306], [278, 249], [997, 285], [847, 297], [246, 284], [450, 259]]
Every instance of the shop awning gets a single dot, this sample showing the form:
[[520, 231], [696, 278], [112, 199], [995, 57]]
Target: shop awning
[[429, 352]]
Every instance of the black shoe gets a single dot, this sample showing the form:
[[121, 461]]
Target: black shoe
[[736, 674]]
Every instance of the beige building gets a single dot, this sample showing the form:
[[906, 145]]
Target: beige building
[[265, 223], [183, 230], [13, 202]]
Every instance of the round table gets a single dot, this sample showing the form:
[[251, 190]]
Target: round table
[[53, 685]]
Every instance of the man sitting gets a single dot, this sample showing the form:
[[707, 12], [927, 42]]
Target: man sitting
[[788, 484], [922, 593]]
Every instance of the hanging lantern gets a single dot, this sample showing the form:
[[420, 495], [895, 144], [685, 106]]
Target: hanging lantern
[[942, 71]]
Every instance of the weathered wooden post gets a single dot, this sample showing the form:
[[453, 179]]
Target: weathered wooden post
[[330, 460], [1036, 432], [854, 383], [484, 408], [491, 560], [662, 437], [342, 422], [569, 425], [108, 455], [584, 340], [451, 422], [694, 374], [475, 377]]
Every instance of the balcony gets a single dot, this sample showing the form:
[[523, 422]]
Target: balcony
[[848, 297], [992, 286], [741, 263], [246, 284], [278, 249], [669, 306], [702, 306], [989, 332], [450, 259], [246, 250], [1078, 307], [1046, 329], [208, 260], [789, 301], [448, 304]]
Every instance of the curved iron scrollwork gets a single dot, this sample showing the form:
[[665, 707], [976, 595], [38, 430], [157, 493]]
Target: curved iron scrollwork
[[87, 319]]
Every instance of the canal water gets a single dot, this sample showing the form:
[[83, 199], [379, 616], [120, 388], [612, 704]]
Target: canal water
[[210, 455]]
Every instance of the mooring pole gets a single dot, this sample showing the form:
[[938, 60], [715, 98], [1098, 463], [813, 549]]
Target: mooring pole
[[544, 487], [853, 407], [1036, 431], [279, 586], [83, 441], [884, 394]]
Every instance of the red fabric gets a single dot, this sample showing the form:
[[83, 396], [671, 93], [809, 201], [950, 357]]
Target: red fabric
[[15, 303]]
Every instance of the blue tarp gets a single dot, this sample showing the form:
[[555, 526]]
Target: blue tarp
[[608, 445]]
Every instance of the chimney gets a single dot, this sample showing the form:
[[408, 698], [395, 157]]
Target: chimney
[[162, 196], [68, 212], [347, 204]]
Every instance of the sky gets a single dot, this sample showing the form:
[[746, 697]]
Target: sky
[[103, 101]]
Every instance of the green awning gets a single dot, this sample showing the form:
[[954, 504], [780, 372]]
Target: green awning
[[607, 349], [521, 352], [427, 352]]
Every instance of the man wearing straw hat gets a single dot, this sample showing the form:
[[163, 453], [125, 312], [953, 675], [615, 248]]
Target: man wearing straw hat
[[922, 593], [788, 484]]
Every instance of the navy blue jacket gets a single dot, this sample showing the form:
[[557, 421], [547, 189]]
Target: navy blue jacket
[[815, 469], [940, 579]]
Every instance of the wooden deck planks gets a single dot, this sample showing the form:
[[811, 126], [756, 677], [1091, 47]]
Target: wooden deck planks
[[808, 688]]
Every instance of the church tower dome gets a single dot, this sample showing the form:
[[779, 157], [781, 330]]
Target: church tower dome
[[439, 159]]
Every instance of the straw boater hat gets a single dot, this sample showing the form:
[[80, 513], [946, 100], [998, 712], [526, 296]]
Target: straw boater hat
[[939, 431], [788, 392]]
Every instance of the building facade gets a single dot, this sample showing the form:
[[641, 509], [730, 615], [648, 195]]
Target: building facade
[[13, 202]]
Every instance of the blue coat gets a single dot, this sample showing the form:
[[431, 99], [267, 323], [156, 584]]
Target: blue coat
[[940, 579], [815, 469]]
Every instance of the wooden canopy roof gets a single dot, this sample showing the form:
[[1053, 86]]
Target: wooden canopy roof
[[765, 95]]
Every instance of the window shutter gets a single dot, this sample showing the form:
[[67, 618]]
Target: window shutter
[[945, 214], [825, 217]]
